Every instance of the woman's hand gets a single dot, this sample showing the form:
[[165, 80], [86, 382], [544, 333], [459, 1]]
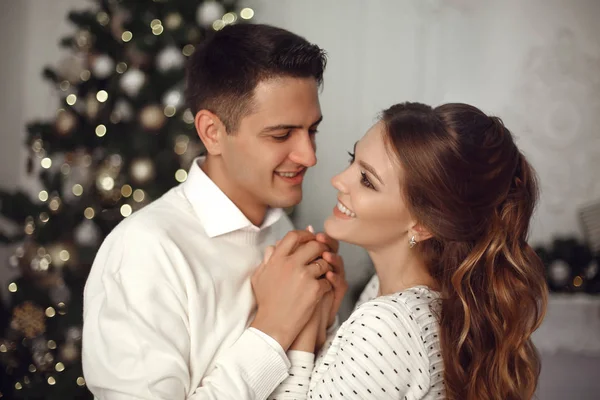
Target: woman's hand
[[326, 305], [307, 338]]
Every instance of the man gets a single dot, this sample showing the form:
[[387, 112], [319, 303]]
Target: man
[[169, 311]]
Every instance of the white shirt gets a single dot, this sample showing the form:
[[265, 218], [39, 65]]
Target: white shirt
[[389, 348], [168, 302]]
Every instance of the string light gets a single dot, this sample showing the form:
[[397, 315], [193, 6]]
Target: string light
[[247, 13], [181, 175], [218, 25], [100, 130], [121, 67], [170, 111], [12, 287], [89, 213], [43, 195], [77, 190], [126, 36], [188, 50], [229, 18], [139, 195], [126, 210], [64, 255], [103, 18], [71, 99], [102, 96], [46, 163]]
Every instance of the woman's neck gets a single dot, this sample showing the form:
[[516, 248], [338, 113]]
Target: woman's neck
[[399, 268]]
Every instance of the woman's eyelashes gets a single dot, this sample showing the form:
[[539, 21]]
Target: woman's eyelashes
[[351, 160], [364, 180]]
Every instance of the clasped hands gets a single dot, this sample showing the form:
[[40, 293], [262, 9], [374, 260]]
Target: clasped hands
[[299, 288]]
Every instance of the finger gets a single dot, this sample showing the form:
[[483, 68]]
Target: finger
[[318, 268], [268, 253], [333, 244], [324, 286], [308, 252], [335, 280], [336, 261], [292, 240]]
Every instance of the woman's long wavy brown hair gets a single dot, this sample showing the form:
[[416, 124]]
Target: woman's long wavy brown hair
[[470, 186]]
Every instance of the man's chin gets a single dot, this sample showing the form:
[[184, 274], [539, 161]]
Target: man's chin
[[287, 201]]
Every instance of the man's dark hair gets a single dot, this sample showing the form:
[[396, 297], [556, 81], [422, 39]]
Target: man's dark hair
[[226, 67]]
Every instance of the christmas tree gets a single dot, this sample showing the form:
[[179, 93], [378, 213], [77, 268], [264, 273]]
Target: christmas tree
[[121, 137]]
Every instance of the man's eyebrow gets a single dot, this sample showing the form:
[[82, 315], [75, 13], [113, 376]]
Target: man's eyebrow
[[282, 127]]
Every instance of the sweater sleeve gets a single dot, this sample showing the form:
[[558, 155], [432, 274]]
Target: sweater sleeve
[[295, 386], [136, 343], [380, 354]]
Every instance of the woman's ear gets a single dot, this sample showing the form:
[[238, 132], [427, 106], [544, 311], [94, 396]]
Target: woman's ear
[[211, 131], [420, 232]]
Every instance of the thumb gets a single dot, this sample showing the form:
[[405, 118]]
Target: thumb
[[268, 253]]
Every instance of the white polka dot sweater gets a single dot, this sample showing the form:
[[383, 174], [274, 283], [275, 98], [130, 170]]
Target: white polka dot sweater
[[388, 348]]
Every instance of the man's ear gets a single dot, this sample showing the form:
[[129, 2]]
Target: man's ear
[[420, 232], [211, 131]]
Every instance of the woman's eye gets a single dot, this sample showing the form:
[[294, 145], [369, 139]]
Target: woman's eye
[[365, 180]]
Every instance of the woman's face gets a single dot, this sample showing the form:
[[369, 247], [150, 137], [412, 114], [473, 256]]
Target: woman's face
[[371, 211]]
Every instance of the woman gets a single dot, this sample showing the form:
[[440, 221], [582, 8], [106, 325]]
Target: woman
[[441, 199]]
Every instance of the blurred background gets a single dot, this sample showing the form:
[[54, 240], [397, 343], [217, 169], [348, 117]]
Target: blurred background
[[94, 127]]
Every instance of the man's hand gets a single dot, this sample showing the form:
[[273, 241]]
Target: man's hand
[[337, 276], [287, 288]]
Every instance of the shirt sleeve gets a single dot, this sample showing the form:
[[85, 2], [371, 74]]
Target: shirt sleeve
[[136, 342]]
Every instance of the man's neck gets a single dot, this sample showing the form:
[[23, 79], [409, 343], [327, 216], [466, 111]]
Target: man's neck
[[254, 212]]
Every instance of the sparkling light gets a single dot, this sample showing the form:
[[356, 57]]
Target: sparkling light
[[188, 50], [77, 190], [100, 130], [127, 36], [126, 190], [43, 196], [139, 195], [102, 96], [126, 210], [181, 175], [89, 213], [247, 13], [46, 162], [71, 99]]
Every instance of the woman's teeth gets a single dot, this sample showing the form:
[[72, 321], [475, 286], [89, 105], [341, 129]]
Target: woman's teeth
[[343, 209]]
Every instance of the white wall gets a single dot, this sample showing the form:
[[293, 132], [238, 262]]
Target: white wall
[[534, 63]]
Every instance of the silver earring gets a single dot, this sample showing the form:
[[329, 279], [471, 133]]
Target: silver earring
[[412, 242]]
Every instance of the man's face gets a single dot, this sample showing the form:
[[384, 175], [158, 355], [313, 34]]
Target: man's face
[[264, 161]]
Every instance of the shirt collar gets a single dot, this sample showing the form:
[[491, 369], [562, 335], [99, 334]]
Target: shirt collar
[[217, 213]]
